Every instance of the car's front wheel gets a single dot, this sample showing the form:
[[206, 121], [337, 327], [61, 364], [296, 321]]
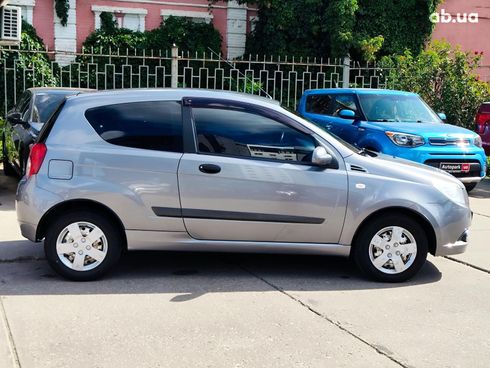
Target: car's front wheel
[[83, 245], [391, 248]]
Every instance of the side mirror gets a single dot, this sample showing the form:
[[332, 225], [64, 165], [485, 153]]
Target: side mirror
[[14, 118], [442, 116], [347, 114], [321, 157]]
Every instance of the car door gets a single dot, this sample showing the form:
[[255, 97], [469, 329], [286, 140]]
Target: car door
[[250, 178], [324, 110]]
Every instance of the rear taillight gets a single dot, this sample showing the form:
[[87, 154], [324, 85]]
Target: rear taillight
[[482, 119], [36, 158]]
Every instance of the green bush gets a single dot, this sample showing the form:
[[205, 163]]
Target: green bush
[[445, 78], [101, 41], [31, 68], [187, 35]]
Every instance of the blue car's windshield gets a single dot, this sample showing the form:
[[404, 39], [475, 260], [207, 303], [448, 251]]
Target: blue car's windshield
[[397, 108]]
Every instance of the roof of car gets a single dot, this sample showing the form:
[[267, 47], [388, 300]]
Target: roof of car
[[177, 93], [35, 90], [360, 91]]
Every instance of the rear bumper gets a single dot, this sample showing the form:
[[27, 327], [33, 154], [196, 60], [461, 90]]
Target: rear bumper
[[28, 231], [31, 203]]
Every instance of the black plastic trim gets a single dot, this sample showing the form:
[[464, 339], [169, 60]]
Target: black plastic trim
[[234, 216]]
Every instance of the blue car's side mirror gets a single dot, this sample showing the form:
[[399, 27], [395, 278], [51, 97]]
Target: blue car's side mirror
[[347, 114], [442, 116]]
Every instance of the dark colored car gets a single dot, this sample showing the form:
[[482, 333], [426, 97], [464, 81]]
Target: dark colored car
[[482, 121], [24, 122]]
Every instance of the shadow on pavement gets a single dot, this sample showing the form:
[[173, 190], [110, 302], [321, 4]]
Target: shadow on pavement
[[8, 187], [482, 190], [191, 275]]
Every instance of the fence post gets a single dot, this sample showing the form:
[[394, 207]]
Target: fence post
[[174, 70], [346, 72]]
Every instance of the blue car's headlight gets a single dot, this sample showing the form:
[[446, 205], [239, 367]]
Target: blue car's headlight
[[478, 141], [405, 140]]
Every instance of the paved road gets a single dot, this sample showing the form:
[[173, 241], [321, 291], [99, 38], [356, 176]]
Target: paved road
[[221, 310]]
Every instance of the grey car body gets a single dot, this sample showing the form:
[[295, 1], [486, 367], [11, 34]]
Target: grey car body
[[194, 200], [25, 120]]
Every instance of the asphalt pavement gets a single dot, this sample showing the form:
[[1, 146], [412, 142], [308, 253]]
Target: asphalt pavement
[[161, 309]]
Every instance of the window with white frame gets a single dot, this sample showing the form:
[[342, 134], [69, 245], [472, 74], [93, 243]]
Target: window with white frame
[[27, 8], [130, 18], [195, 16], [253, 19]]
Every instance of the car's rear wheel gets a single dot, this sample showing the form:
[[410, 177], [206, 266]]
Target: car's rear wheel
[[8, 170], [470, 186], [391, 248], [83, 245]]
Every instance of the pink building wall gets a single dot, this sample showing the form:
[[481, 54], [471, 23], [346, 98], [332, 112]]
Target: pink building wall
[[470, 36], [229, 18], [43, 20]]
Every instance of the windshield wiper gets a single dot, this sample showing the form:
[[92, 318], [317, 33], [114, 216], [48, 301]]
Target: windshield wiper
[[384, 120], [367, 152]]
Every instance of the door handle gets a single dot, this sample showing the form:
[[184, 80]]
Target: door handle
[[209, 168]]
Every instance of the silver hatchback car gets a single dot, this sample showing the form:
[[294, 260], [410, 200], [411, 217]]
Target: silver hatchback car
[[201, 170]]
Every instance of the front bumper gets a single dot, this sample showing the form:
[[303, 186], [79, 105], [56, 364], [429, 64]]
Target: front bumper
[[454, 248], [434, 156]]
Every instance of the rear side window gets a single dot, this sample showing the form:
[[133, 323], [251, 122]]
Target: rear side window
[[152, 125], [331, 104], [44, 106]]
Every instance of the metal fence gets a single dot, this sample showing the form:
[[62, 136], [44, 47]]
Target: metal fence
[[282, 78]]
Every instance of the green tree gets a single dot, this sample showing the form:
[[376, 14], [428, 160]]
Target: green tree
[[402, 24], [334, 28], [445, 77], [24, 66]]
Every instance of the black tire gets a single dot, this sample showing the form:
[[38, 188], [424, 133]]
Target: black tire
[[115, 245], [361, 248], [8, 170], [470, 186]]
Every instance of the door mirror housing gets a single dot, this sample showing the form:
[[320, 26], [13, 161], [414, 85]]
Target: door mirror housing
[[321, 157], [15, 118], [347, 114], [442, 116]]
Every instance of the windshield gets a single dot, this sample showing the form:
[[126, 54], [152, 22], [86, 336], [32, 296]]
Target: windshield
[[397, 108], [45, 104]]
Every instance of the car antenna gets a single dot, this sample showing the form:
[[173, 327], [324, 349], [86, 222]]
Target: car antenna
[[243, 75]]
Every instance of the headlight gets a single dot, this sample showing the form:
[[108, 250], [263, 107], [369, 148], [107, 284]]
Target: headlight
[[405, 140], [478, 141], [454, 192]]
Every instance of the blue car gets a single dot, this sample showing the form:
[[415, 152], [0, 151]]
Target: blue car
[[400, 124]]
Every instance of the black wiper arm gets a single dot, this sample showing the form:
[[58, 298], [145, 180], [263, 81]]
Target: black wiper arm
[[365, 151]]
